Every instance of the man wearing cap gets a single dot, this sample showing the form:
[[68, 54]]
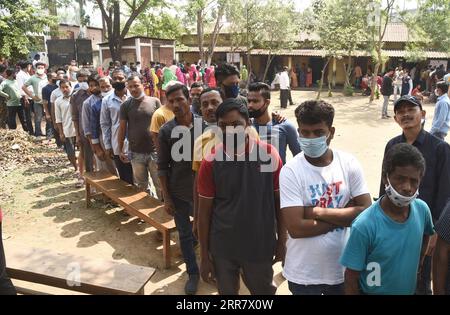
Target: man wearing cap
[[435, 186], [237, 231]]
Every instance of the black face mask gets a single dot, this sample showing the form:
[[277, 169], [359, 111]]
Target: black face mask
[[119, 86], [257, 113], [196, 106]]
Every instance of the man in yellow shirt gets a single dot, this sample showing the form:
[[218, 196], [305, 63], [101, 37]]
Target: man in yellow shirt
[[159, 118]]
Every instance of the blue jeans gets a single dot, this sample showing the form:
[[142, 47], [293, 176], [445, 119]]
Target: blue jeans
[[184, 209], [143, 164], [316, 289]]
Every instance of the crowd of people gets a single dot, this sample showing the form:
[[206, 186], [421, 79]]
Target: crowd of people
[[399, 82], [191, 140]]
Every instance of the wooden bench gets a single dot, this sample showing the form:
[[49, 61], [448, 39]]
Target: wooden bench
[[92, 276], [136, 203]]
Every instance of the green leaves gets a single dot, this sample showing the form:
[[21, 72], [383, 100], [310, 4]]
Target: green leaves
[[20, 23], [430, 26], [157, 24]]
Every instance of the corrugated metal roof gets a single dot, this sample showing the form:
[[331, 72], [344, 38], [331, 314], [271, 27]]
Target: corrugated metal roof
[[396, 32], [219, 49], [316, 52], [428, 54]]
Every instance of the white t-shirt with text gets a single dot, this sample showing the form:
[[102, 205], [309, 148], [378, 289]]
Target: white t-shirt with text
[[315, 260]]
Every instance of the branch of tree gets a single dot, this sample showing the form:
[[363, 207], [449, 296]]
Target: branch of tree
[[133, 16]]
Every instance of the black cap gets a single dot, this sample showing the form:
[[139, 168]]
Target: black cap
[[407, 99], [231, 104]]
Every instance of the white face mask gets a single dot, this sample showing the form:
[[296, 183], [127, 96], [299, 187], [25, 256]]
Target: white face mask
[[40, 71], [104, 94], [84, 85], [436, 91], [140, 96], [398, 199]]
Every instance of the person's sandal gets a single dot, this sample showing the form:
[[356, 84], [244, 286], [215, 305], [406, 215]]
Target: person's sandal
[[80, 182]]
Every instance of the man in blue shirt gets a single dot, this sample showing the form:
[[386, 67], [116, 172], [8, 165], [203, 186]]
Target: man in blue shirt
[[388, 241], [89, 117], [110, 122], [279, 134], [441, 120]]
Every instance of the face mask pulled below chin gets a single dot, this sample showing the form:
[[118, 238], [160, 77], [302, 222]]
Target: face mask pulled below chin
[[398, 199], [104, 94], [257, 113], [231, 91], [139, 97], [315, 147]]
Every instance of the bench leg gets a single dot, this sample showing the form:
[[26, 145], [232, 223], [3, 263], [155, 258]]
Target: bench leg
[[140, 292], [166, 248], [88, 195]]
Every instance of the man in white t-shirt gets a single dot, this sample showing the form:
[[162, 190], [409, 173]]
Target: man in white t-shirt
[[322, 191], [63, 118]]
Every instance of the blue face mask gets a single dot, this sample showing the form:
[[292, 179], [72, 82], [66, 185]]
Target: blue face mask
[[231, 91], [315, 147]]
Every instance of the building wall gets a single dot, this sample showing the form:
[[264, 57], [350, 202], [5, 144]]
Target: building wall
[[72, 32], [127, 54]]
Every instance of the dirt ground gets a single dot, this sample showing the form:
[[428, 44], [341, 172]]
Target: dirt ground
[[42, 207]]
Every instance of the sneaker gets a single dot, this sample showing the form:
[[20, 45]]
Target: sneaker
[[191, 285]]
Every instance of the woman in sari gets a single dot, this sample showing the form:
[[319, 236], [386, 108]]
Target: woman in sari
[[156, 84], [180, 76], [147, 82], [212, 78], [167, 77], [294, 80]]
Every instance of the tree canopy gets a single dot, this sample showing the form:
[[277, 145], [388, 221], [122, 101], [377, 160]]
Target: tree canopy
[[20, 24]]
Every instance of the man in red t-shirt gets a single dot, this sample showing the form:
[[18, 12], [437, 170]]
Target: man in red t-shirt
[[6, 286], [239, 207]]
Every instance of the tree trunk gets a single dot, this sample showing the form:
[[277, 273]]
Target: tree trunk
[[348, 70], [214, 36], [375, 73], [52, 10], [82, 13], [115, 46], [249, 66], [200, 35], [115, 42], [322, 77], [268, 63]]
